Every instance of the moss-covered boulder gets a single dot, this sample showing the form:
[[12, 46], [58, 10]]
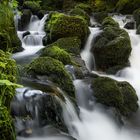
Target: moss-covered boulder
[[9, 40], [120, 95], [34, 6], [7, 131], [112, 47], [61, 25], [57, 53], [55, 72], [80, 12], [70, 44]]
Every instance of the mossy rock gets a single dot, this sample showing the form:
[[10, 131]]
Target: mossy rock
[[57, 53], [54, 70], [127, 6], [80, 12], [70, 44], [112, 48], [120, 95], [86, 7], [7, 131], [108, 21], [61, 25], [34, 6]]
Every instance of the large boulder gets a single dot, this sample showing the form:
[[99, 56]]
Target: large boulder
[[60, 25], [120, 95], [55, 72], [70, 44], [112, 47]]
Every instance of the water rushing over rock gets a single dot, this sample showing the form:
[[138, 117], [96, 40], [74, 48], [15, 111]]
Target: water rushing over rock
[[94, 122]]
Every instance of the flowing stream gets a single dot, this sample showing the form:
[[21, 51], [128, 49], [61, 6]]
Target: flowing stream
[[94, 121]]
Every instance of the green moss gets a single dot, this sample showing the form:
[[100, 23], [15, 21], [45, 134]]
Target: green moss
[[54, 70], [112, 48], [7, 131], [108, 21], [127, 6], [8, 67], [80, 12], [7, 92], [86, 7], [57, 53], [60, 25], [70, 44], [120, 95], [34, 6], [9, 40], [52, 5]]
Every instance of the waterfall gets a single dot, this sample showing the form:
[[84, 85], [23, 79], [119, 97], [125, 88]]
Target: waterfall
[[32, 42], [86, 54], [94, 121]]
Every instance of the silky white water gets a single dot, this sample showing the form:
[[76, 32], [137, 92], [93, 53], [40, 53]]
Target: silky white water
[[32, 42], [94, 122]]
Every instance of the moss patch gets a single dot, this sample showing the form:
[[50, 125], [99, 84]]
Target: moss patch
[[57, 53]]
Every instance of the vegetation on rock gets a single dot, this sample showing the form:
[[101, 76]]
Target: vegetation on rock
[[120, 95], [57, 53], [112, 47], [61, 25], [54, 70]]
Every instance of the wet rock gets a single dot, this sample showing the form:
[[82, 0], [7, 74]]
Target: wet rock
[[130, 25], [61, 25], [41, 14], [25, 34], [120, 95], [112, 47], [40, 109], [25, 19], [53, 69]]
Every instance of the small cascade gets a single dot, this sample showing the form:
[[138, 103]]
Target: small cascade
[[32, 38], [86, 54]]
